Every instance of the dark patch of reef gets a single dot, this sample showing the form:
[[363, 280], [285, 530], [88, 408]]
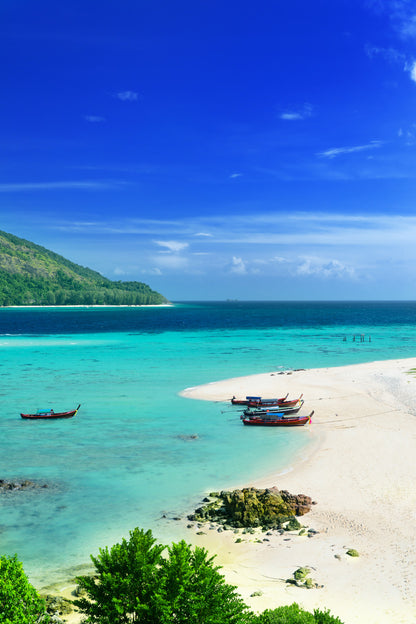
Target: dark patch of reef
[[11, 486]]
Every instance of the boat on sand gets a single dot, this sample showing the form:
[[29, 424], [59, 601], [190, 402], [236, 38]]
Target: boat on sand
[[257, 401], [270, 420]]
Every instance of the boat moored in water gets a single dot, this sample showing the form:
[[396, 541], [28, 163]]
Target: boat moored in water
[[50, 414]]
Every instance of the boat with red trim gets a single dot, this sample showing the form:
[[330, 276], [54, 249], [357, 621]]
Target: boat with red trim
[[270, 420], [257, 401], [292, 409], [50, 414]]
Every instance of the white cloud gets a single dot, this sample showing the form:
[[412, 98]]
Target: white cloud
[[233, 176], [127, 96], [297, 115], [412, 71], [238, 266], [324, 268], [338, 151], [173, 246]]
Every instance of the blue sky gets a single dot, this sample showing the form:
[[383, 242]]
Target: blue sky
[[214, 149]]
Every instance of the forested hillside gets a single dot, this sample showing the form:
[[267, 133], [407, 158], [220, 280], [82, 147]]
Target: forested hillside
[[33, 275]]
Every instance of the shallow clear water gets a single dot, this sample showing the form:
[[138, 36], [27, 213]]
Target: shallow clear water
[[137, 451]]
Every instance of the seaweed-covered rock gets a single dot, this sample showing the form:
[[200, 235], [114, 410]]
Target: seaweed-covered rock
[[57, 605], [251, 507], [301, 578], [352, 552]]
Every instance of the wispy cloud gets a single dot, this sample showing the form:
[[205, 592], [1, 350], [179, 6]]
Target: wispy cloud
[[390, 54], [297, 115], [91, 185], [172, 246], [235, 175], [338, 151], [324, 268], [127, 96]]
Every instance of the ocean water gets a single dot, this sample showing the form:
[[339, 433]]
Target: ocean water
[[138, 454]]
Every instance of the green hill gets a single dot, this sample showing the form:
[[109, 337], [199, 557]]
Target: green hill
[[33, 275]]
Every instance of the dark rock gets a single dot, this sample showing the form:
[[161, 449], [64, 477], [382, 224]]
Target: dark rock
[[57, 605], [251, 507], [25, 484]]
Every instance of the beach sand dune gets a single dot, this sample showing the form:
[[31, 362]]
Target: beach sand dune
[[361, 471]]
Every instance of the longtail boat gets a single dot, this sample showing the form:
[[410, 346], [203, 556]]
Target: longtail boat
[[50, 414], [278, 411], [282, 421], [257, 401]]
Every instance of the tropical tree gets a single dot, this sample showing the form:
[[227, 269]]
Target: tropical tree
[[133, 582], [194, 591], [19, 601]]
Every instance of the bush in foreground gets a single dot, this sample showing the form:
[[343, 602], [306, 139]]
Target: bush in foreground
[[19, 601], [135, 583], [293, 614]]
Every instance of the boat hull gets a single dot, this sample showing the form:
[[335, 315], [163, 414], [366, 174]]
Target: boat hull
[[279, 411], [51, 415], [259, 402], [295, 421]]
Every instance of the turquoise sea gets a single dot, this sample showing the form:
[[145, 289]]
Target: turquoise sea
[[138, 454]]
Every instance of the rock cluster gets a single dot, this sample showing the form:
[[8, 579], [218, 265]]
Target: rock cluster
[[19, 485], [57, 606], [252, 507], [301, 578]]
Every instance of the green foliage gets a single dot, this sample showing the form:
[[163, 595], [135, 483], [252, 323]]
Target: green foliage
[[19, 601], [135, 583], [33, 275], [352, 552], [293, 524], [301, 573], [293, 614], [126, 582]]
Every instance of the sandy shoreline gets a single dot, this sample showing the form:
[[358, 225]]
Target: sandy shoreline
[[362, 473], [360, 470]]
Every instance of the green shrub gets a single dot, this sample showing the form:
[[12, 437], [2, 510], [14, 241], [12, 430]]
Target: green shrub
[[134, 583], [19, 601], [293, 614]]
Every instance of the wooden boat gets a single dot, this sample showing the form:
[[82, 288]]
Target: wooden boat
[[50, 414], [253, 401], [282, 421], [291, 409]]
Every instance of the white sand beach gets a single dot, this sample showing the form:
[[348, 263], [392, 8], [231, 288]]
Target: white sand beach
[[361, 471]]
